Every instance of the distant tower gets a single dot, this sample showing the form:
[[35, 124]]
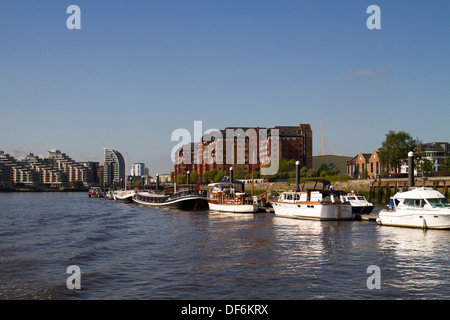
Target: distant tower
[[114, 167], [137, 169]]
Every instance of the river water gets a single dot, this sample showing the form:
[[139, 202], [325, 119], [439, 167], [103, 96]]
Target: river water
[[124, 251]]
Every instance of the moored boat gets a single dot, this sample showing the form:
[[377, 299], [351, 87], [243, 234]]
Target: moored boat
[[109, 195], [184, 199], [95, 192], [124, 195], [417, 208], [226, 196], [313, 199], [359, 203]]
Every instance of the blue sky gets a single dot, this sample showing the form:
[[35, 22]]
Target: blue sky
[[138, 70]]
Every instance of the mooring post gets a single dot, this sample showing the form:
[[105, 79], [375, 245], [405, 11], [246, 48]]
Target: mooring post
[[411, 169]]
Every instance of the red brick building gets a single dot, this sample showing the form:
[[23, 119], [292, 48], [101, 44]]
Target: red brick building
[[366, 165], [250, 148]]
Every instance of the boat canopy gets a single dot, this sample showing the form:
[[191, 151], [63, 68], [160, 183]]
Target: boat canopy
[[237, 185], [314, 184], [419, 193]]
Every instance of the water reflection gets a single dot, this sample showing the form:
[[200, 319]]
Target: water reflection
[[415, 261], [129, 252]]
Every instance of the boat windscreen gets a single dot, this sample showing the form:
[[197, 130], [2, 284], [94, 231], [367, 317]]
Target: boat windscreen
[[439, 203]]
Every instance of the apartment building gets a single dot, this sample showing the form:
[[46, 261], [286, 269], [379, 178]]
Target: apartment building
[[437, 152], [16, 172], [57, 170], [250, 148], [74, 171], [113, 167], [47, 174]]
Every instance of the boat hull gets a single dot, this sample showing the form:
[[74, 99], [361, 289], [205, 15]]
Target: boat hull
[[124, 196], [313, 211], [236, 208], [184, 203], [423, 220], [127, 199], [362, 209]]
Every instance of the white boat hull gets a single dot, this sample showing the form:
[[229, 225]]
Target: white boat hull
[[415, 219], [124, 196], [313, 211], [236, 208]]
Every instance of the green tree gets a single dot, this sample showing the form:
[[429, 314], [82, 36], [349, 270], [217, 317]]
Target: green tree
[[76, 184], [208, 176], [193, 177], [425, 166], [323, 170], [395, 148], [311, 173], [286, 169], [304, 171], [334, 171], [181, 178], [446, 164], [219, 176]]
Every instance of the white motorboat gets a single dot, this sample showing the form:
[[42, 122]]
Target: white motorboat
[[418, 208], [225, 196], [314, 200], [124, 195], [359, 203]]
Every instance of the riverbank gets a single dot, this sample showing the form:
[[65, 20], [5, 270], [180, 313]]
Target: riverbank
[[37, 189]]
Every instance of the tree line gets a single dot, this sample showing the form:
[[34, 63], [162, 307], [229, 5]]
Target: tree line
[[394, 150], [286, 171]]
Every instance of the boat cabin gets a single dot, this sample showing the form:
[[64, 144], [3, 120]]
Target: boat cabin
[[228, 193], [426, 198]]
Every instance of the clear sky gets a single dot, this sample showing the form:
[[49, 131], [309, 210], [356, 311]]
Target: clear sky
[[138, 70]]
